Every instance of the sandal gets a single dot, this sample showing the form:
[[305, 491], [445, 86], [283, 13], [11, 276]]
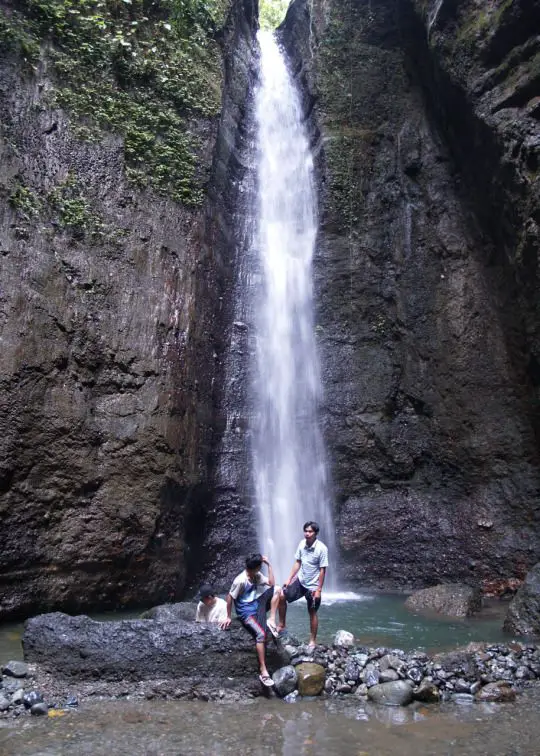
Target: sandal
[[273, 629], [266, 681]]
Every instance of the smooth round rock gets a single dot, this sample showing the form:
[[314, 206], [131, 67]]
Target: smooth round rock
[[39, 709], [499, 692], [311, 679], [398, 693]]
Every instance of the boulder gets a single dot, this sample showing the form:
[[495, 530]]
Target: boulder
[[523, 617], [499, 692], [343, 639], [398, 693], [139, 649], [15, 669], [450, 599], [285, 680], [428, 692], [311, 679]]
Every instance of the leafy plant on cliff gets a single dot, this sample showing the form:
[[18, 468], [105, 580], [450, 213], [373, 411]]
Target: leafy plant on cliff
[[147, 69]]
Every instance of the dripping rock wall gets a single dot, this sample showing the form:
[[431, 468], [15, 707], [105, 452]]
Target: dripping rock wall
[[110, 349], [424, 117]]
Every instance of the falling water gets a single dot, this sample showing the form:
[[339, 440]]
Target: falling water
[[289, 464]]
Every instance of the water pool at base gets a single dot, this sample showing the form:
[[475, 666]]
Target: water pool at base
[[264, 727], [374, 619]]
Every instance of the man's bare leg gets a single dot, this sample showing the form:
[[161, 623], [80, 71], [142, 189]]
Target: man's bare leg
[[282, 612], [313, 627]]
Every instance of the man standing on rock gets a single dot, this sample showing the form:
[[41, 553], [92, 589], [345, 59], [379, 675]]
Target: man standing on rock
[[306, 579], [254, 594]]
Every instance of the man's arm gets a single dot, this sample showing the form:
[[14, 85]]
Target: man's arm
[[296, 567], [271, 578], [318, 589]]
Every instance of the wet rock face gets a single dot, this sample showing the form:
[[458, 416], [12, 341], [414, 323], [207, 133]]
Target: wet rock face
[[523, 617], [428, 410], [109, 325]]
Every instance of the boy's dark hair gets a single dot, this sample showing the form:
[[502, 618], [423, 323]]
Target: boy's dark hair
[[313, 525], [253, 561]]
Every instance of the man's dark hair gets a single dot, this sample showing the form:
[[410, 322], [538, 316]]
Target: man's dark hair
[[253, 561], [313, 525], [206, 591]]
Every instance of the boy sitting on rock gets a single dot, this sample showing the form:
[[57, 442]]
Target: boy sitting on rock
[[254, 594]]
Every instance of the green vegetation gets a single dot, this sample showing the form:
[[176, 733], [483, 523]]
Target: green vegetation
[[25, 201], [65, 206], [73, 210], [272, 13], [146, 69]]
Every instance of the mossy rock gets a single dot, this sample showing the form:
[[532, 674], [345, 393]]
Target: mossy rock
[[311, 679]]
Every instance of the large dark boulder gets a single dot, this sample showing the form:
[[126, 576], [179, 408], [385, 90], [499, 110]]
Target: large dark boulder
[[450, 599], [523, 617], [139, 649]]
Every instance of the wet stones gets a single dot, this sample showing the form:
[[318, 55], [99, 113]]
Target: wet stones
[[523, 616]]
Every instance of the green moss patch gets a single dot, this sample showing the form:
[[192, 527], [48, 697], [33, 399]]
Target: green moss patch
[[146, 69]]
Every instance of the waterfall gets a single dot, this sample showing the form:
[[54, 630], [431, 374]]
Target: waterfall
[[289, 462]]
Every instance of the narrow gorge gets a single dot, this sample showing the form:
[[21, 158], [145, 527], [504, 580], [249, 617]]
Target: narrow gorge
[[126, 184]]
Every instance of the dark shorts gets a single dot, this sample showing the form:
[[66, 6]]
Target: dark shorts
[[296, 590], [255, 624]]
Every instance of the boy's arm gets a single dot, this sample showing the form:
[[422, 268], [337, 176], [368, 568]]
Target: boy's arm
[[226, 622], [271, 578]]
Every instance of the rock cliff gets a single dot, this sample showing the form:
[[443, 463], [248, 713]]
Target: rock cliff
[[426, 279], [114, 243]]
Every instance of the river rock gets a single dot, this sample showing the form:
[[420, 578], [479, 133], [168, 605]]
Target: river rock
[[427, 692], [5, 703], [450, 599], [138, 649], [285, 680], [343, 639], [39, 709], [523, 617], [388, 675], [500, 692], [311, 679], [398, 693], [15, 669]]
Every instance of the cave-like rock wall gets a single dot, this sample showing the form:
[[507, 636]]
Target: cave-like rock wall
[[110, 336], [430, 403]]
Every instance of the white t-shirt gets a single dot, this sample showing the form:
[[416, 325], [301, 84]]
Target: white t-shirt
[[312, 558], [215, 613]]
